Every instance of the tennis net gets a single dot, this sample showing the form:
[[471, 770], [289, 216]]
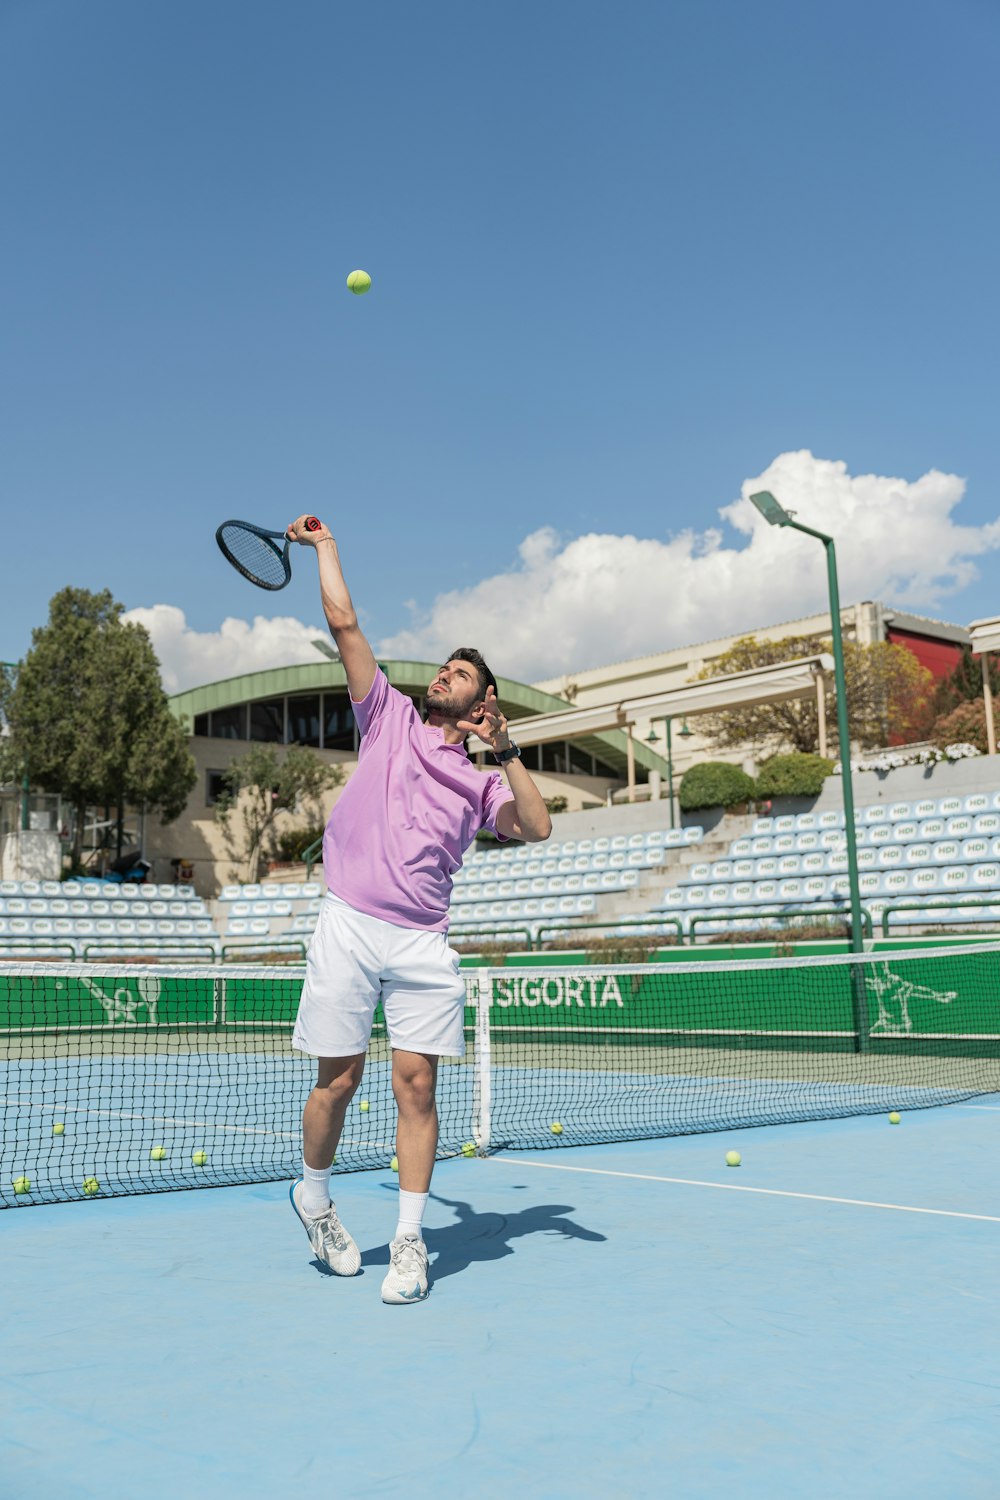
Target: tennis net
[[142, 1079]]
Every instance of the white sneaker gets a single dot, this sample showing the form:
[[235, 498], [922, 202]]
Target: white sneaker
[[328, 1237], [407, 1278]]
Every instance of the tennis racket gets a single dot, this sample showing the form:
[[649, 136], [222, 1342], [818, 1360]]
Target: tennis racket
[[255, 552]]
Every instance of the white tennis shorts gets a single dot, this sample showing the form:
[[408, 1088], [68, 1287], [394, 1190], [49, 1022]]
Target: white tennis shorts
[[353, 962]]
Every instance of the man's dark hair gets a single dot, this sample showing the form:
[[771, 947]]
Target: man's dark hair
[[475, 658]]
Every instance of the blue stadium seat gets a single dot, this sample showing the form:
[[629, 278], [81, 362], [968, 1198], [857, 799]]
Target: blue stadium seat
[[974, 850], [900, 812]]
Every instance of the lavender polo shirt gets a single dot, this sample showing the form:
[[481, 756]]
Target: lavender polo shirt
[[399, 829]]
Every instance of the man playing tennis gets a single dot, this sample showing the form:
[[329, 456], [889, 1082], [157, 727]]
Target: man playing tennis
[[394, 840]]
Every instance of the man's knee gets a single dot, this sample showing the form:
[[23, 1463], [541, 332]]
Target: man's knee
[[413, 1087], [337, 1079]]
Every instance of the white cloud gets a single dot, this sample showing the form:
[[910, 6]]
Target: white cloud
[[590, 600], [600, 598], [189, 658]]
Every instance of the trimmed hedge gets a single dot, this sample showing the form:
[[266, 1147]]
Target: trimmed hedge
[[793, 775], [715, 783]]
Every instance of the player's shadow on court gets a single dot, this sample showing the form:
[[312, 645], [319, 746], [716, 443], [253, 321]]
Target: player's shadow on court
[[486, 1237]]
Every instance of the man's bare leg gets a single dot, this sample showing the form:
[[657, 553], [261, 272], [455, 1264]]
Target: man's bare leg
[[414, 1080], [337, 1080]]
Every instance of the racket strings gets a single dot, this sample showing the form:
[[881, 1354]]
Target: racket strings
[[258, 557]]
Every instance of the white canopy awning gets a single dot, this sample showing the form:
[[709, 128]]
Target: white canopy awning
[[775, 684], [985, 635]]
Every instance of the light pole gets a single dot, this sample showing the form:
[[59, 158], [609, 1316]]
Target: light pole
[[776, 515], [653, 738]]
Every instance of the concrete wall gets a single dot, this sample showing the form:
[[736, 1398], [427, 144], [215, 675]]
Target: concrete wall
[[30, 854]]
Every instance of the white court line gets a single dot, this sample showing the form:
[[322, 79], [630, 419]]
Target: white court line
[[990, 1108], [735, 1187]]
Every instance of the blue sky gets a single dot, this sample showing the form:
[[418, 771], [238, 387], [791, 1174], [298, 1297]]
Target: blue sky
[[626, 261]]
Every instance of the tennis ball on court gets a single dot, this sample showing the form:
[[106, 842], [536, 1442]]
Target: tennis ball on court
[[469, 1149], [199, 1158], [157, 1154], [364, 1106], [733, 1158], [58, 1129], [22, 1184], [894, 1118], [556, 1128], [91, 1186], [394, 1164], [359, 282]]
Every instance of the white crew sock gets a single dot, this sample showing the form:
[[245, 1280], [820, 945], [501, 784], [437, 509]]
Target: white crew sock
[[315, 1190], [411, 1214]]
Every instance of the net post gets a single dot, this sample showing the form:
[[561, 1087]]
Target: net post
[[482, 1063]]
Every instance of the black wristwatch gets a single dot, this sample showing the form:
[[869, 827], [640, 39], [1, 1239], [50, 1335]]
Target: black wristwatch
[[511, 753]]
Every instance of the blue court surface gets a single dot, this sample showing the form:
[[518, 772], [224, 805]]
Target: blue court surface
[[625, 1320]]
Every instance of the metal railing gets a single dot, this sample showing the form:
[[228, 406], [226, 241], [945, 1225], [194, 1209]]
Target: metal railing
[[312, 855], [722, 914], [134, 951], [495, 934], [638, 924], [292, 948], [934, 908]]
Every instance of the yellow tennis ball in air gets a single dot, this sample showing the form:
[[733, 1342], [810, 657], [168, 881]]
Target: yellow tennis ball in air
[[556, 1128], [359, 282], [58, 1128], [364, 1106], [22, 1185], [91, 1186], [199, 1158], [733, 1158], [394, 1164], [894, 1118], [469, 1149], [157, 1154]]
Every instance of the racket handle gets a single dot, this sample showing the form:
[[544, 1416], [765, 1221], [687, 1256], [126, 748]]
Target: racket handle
[[312, 524]]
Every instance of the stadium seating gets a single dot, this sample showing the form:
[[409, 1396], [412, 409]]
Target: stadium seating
[[98, 918], [932, 850], [271, 915]]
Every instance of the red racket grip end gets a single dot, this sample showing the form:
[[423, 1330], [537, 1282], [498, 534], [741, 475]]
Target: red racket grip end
[[312, 524]]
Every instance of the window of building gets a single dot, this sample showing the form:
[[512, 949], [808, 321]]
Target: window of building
[[214, 787], [267, 720], [304, 720], [555, 759], [229, 723], [201, 725], [338, 722], [580, 762]]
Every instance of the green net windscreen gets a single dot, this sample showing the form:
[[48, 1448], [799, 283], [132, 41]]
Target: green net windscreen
[[128, 1079]]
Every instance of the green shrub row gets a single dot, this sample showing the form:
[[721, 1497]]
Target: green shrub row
[[717, 783]]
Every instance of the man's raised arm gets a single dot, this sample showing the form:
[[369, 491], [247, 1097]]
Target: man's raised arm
[[355, 652]]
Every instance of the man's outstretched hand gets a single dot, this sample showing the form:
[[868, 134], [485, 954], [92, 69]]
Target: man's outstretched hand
[[297, 532], [491, 727]]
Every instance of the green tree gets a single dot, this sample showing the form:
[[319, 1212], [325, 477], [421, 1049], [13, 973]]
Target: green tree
[[888, 697], [88, 716], [965, 683], [965, 725], [263, 783]]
